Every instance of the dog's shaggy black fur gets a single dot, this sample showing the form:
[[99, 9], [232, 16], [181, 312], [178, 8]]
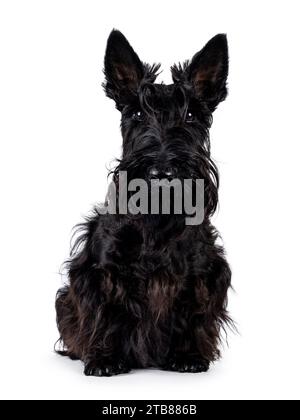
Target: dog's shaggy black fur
[[149, 290]]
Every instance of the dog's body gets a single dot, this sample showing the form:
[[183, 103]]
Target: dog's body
[[150, 290]]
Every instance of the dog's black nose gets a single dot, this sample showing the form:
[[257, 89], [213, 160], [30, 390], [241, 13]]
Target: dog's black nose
[[159, 173]]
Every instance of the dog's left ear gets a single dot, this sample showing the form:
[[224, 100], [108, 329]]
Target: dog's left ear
[[122, 67], [208, 71]]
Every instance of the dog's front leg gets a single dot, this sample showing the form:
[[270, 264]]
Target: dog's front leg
[[199, 316], [106, 355]]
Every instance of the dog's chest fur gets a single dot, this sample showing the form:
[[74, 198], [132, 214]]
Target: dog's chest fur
[[150, 283]]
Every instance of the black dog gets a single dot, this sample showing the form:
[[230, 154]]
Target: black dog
[[149, 290]]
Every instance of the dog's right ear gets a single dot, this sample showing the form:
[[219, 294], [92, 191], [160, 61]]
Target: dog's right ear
[[122, 68]]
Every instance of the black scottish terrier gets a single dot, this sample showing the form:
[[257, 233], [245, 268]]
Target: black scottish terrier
[[150, 291]]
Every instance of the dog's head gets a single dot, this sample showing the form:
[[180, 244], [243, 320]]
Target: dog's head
[[165, 127]]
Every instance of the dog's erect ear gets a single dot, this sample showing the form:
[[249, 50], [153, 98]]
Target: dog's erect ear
[[208, 71], [122, 66]]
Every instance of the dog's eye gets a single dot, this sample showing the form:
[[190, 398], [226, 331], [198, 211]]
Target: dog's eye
[[137, 115], [190, 117]]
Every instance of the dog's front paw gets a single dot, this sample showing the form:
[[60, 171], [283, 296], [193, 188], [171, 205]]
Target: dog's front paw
[[187, 364], [101, 369]]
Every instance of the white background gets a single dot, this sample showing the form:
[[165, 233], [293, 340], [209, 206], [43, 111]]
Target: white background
[[58, 133]]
